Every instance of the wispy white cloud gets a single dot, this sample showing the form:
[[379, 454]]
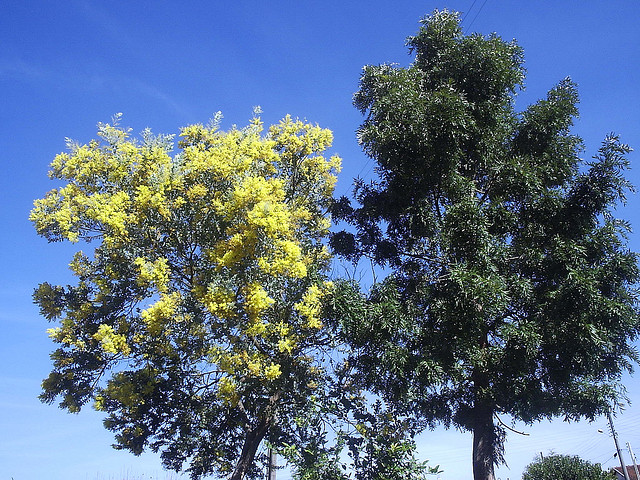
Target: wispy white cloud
[[20, 69], [87, 81], [158, 94], [106, 22], [112, 29]]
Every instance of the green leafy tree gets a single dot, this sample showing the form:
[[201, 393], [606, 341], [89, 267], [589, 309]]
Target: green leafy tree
[[369, 442], [510, 286], [564, 467], [195, 322]]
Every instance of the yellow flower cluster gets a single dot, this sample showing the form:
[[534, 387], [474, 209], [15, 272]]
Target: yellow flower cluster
[[111, 210], [55, 333], [197, 192], [88, 162], [294, 137], [227, 391], [233, 250], [310, 305], [220, 302], [256, 328], [287, 337], [258, 368], [297, 143], [254, 189], [286, 344], [99, 403], [256, 300], [271, 216], [80, 265], [272, 371], [286, 259], [242, 364], [152, 198], [159, 315], [55, 217], [66, 335], [154, 273], [110, 341]]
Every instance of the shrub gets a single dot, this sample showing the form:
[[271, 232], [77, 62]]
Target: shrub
[[564, 467]]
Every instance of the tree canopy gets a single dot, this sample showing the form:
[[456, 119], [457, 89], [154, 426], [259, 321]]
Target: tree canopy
[[195, 319], [510, 287]]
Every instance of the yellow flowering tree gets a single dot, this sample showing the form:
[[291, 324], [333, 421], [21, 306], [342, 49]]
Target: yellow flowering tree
[[195, 321]]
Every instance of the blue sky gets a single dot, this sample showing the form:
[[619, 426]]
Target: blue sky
[[64, 66]]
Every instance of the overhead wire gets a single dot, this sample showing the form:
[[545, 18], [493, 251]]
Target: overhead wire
[[476, 16], [468, 10]]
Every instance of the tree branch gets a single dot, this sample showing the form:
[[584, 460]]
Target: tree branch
[[508, 427]]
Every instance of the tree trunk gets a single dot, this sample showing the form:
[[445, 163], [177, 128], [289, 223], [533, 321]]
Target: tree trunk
[[249, 449], [484, 444]]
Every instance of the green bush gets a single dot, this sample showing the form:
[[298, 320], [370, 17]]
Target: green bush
[[564, 467]]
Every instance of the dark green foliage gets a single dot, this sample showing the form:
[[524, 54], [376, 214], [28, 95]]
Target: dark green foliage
[[511, 288], [369, 443], [383, 451], [564, 467]]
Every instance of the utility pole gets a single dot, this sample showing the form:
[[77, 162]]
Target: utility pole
[[615, 440], [271, 468], [633, 458]]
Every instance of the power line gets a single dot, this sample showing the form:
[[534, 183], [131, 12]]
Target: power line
[[469, 10], [474, 18]]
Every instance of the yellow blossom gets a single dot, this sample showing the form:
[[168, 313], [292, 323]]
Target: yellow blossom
[[256, 300], [310, 306], [220, 301], [228, 392], [98, 403], [110, 341], [154, 273], [286, 345], [272, 371], [161, 313], [54, 333], [197, 192], [256, 328]]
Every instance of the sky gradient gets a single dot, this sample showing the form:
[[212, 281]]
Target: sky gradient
[[64, 66]]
